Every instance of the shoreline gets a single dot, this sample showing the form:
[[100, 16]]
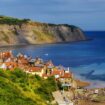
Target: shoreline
[[21, 45]]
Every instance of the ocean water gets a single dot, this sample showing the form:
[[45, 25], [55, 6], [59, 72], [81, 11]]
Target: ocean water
[[82, 57]]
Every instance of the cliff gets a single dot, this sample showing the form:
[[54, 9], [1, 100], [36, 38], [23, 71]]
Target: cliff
[[15, 31]]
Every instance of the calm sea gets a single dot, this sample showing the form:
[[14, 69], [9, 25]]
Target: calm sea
[[82, 57]]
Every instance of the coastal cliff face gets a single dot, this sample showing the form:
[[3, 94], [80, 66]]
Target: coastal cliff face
[[38, 33]]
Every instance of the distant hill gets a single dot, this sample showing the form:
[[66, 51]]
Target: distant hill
[[15, 31]]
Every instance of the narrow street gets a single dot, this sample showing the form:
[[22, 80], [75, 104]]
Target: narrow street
[[60, 99]]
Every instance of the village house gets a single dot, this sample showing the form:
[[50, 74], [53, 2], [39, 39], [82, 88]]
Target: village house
[[23, 61], [5, 55], [57, 73], [3, 66], [38, 61], [6, 61], [9, 66], [49, 64], [66, 77], [36, 71], [49, 67]]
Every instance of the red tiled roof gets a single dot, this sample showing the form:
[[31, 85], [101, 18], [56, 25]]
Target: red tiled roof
[[23, 61], [5, 54], [58, 72], [11, 63], [67, 75], [35, 69]]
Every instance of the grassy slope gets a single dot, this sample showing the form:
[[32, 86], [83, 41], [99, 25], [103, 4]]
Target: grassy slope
[[12, 21], [17, 88]]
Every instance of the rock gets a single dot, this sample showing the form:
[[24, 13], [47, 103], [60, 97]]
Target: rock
[[38, 33]]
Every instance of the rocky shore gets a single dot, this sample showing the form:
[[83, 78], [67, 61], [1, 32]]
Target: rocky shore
[[95, 96]]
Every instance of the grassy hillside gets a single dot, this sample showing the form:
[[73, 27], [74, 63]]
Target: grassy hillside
[[12, 21], [19, 88]]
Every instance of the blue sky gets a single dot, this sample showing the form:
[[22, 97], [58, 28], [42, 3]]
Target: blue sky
[[87, 14]]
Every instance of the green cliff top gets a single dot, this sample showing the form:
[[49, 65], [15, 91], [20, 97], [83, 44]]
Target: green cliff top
[[12, 21], [17, 21]]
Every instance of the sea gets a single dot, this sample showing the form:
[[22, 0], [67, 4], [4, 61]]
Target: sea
[[86, 59]]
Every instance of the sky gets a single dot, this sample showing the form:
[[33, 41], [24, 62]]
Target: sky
[[86, 14]]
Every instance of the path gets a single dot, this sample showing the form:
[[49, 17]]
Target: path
[[59, 98]]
